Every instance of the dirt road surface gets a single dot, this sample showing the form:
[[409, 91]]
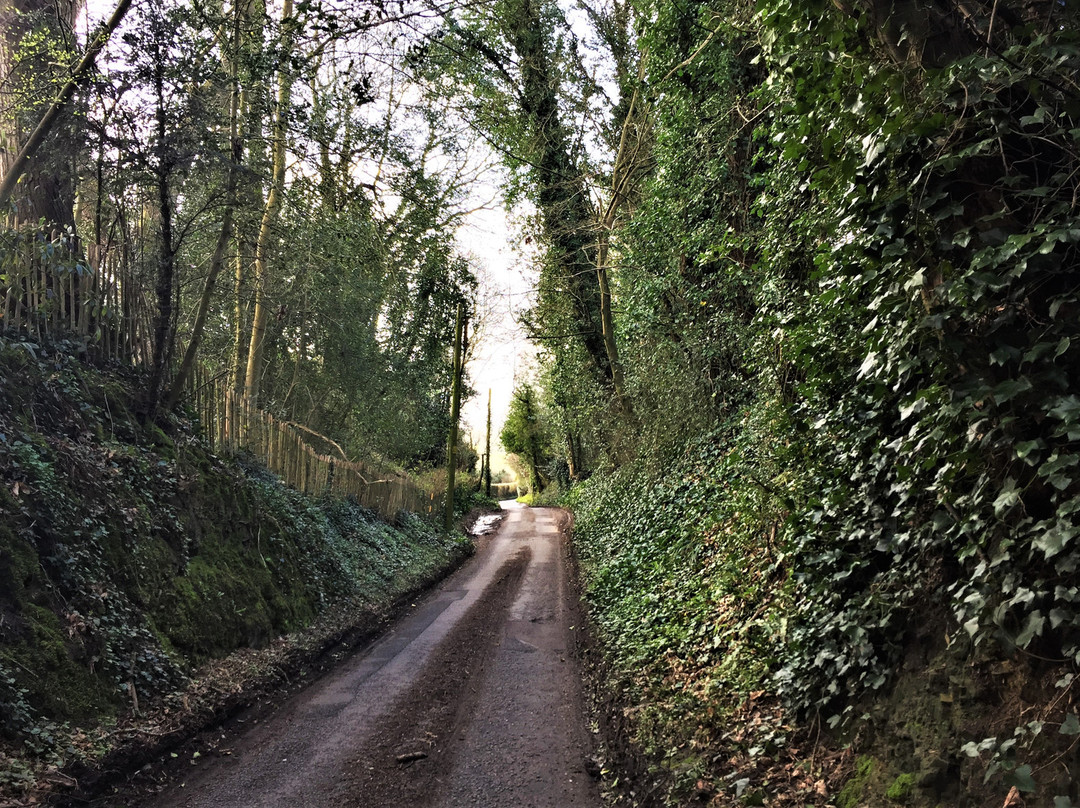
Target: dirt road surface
[[473, 699]]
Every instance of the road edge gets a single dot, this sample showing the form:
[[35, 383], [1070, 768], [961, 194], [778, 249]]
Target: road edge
[[127, 773]]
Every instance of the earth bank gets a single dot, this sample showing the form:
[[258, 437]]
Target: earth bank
[[689, 595], [130, 557]]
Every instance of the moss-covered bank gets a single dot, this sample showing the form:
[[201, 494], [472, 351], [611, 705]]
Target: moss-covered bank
[[128, 556]]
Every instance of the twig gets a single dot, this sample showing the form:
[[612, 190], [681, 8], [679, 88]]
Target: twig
[[990, 28], [333, 443], [689, 59]]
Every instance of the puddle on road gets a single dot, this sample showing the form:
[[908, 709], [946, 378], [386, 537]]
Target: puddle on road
[[486, 524]]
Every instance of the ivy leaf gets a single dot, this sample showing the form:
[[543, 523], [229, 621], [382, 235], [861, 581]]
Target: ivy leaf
[[1056, 470], [1003, 354], [1039, 116], [868, 364], [917, 280], [1032, 628], [1008, 497], [1068, 409], [1010, 389], [915, 407], [1071, 725], [872, 148], [1047, 246], [1027, 447], [1053, 541], [1021, 779]]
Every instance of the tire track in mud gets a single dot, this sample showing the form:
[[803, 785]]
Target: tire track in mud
[[411, 749]]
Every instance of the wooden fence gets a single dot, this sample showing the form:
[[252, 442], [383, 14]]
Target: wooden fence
[[48, 290], [50, 287], [230, 422]]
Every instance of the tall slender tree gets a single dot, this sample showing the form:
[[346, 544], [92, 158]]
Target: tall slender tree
[[511, 61], [267, 226], [460, 336]]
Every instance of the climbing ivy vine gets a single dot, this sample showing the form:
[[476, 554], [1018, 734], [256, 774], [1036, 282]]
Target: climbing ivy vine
[[853, 268], [936, 346]]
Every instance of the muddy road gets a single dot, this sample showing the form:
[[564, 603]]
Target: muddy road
[[472, 699]]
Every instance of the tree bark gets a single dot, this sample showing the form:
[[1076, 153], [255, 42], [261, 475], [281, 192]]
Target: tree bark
[[278, 137], [487, 451], [50, 195], [217, 261], [455, 413], [249, 196], [163, 318], [627, 170], [567, 215]]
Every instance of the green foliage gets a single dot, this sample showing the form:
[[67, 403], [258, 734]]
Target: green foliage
[[939, 439], [552, 496], [684, 579], [362, 274], [525, 434], [687, 285], [469, 494], [859, 269], [516, 71], [675, 563], [361, 349]]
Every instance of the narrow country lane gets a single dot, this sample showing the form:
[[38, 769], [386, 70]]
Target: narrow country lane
[[473, 699]]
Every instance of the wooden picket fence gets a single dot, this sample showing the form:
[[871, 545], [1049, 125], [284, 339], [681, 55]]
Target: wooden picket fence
[[230, 422], [49, 289]]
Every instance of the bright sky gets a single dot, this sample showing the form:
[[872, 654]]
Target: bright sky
[[502, 353]]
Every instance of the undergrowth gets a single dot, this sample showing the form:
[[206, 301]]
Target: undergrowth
[[685, 581], [888, 246], [129, 556]]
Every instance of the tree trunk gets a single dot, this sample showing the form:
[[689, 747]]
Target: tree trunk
[[28, 80], [163, 318], [217, 261], [249, 197], [626, 173], [567, 215], [455, 412], [278, 138], [55, 194], [487, 451], [571, 454]]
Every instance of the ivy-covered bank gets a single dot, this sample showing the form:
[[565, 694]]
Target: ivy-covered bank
[[827, 478], [128, 556], [696, 584]]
